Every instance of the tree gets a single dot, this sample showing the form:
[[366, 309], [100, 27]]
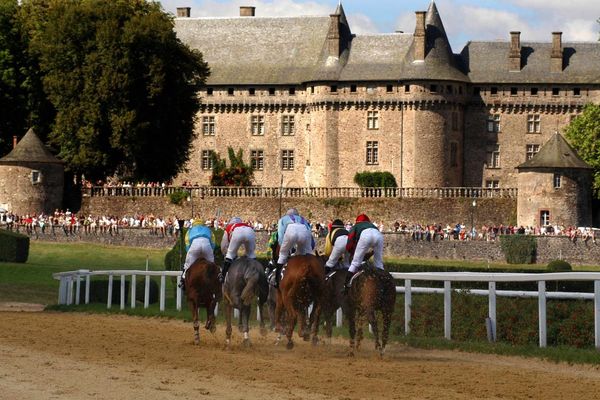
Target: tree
[[584, 135], [123, 85], [237, 174]]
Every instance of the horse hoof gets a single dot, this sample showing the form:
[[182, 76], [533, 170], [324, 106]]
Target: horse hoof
[[315, 340], [381, 352], [350, 353], [306, 337], [247, 343], [290, 345]]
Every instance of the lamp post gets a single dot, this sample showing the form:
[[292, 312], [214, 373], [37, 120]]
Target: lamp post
[[473, 205], [181, 222]]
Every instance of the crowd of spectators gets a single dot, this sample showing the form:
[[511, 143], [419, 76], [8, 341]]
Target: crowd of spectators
[[71, 223]]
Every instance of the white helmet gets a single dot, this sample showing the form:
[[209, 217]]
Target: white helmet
[[235, 220]]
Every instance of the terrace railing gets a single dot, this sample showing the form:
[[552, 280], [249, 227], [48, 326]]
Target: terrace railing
[[304, 192]]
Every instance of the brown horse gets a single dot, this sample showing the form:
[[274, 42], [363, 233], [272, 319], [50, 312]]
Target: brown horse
[[202, 289], [372, 290], [302, 284]]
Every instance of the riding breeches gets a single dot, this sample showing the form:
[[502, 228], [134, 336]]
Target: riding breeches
[[339, 250], [200, 248], [370, 238], [295, 235], [243, 235]]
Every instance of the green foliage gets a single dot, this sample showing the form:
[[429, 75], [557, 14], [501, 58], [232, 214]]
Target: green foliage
[[584, 135], [14, 247], [518, 249], [237, 174], [178, 196], [123, 85], [559, 266], [375, 179]]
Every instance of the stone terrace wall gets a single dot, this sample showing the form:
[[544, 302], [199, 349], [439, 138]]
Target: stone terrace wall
[[396, 245], [423, 210]]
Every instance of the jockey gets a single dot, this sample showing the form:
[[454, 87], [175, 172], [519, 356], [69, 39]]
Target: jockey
[[236, 234], [292, 230], [362, 237], [335, 246], [199, 243]]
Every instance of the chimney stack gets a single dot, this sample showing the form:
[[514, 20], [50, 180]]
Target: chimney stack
[[419, 36], [556, 58], [183, 12], [514, 56], [14, 141], [333, 36], [247, 11]]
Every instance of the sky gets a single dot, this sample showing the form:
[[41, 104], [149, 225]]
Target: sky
[[463, 20]]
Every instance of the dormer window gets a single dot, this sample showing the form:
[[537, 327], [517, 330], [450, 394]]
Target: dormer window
[[271, 91], [36, 177], [352, 88], [534, 91], [493, 90]]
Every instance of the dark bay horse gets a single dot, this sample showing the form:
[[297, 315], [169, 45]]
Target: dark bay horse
[[334, 298], [202, 289], [302, 284], [245, 281], [373, 290]]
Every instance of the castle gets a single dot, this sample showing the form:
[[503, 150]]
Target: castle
[[308, 100]]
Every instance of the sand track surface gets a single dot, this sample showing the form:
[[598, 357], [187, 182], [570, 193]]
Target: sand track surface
[[79, 356]]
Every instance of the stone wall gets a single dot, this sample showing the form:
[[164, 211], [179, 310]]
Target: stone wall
[[411, 210], [396, 245]]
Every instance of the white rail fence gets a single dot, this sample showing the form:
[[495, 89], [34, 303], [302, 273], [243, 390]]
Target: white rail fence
[[70, 289]]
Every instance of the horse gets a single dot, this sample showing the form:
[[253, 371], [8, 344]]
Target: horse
[[244, 282], [302, 284], [202, 289], [372, 290], [334, 298]]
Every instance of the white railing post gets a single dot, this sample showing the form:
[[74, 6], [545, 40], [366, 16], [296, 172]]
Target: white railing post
[[407, 305], [492, 308], [122, 292], [87, 289], [133, 290], [597, 314], [62, 291], [147, 292], [70, 290], [179, 293], [163, 288], [257, 313], [447, 310], [338, 317], [110, 285], [77, 288], [542, 312]]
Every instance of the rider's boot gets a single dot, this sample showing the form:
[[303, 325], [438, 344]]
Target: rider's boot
[[278, 274], [348, 282], [223, 272], [328, 270], [182, 281]]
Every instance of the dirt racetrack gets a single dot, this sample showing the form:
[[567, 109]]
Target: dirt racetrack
[[79, 356]]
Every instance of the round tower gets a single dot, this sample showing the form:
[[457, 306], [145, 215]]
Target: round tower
[[31, 178]]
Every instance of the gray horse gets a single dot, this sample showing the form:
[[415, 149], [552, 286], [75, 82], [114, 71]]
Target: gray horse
[[245, 281]]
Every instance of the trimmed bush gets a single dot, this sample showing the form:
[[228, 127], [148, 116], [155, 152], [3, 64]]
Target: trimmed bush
[[518, 249], [375, 180], [14, 247], [178, 196], [99, 290], [559, 266]]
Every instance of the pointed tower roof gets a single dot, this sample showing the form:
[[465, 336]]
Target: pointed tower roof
[[438, 47], [30, 149], [556, 153], [340, 11]]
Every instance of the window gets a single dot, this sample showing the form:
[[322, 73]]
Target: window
[[493, 90], [258, 125], [514, 91], [287, 125], [534, 91], [454, 121], [372, 153], [287, 160], [460, 90], [531, 150], [493, 123], [453, 154], [433, 88], [271, 91], [36, 177], [372, 119], [557, 181], [476, 91], [209, 91], [406, 88], [230, 91], [292, 91], [207, 160], [208, 126], [333, 88], [252, 91], [352, 88], [449, 89], [576, 91], [493, 156], [257, 160], [555, 91], [389, 88], [312, 90], [544, 218], [492, 184], [533, 123]]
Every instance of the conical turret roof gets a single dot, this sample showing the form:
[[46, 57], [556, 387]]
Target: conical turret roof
[[30, 149], [438, 47], [556, 153]]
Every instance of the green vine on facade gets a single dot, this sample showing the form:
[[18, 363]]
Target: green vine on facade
[[238, 173]]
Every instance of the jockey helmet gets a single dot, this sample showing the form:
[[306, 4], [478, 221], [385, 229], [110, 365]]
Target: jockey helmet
[[338, 223], [235, 220], [362, 218], [292, 211]]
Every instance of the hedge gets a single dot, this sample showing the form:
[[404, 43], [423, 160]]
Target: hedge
[[14, 247], [375, 179], [99, 290], [518, 249]]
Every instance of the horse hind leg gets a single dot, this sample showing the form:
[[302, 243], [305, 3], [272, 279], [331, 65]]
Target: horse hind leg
[[246, 324], [303, 326], [374, 327], [210, 316], [387, 320], [194, 309], [315, 317], [229, 317]]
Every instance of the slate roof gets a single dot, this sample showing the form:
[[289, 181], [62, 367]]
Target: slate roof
[[556, 153], [30, 149]]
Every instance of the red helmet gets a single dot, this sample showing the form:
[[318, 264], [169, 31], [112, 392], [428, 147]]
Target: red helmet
[[362, 218]]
